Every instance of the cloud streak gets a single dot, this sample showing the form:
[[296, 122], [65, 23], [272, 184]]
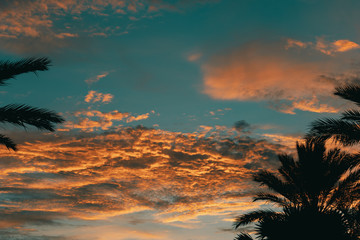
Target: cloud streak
[[97, 78]]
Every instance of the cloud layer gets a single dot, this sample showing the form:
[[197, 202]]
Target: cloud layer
[[178, 177], [52, 24]]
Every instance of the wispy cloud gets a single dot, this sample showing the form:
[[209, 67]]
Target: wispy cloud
[[97, 78], [194, 57]]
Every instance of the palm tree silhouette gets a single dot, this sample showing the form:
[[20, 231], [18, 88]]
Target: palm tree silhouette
[[22, 114], [345, 130], [319, 191]]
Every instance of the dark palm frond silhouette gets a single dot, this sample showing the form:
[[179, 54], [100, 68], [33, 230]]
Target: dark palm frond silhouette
[[319, 187], [22, 114], [9, 69], [243, 236], [345, 130]]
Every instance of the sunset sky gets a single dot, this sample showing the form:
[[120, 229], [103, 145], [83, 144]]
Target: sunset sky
[[170, 107]]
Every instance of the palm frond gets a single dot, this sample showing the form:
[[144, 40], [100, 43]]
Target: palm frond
[[271, 198], [351, 115], [9, 69], [344, 132], [346, 192], [243, 236], [22, 115], [276, 184], [349, 92], [7, 142], [288, 167], [253, 217]]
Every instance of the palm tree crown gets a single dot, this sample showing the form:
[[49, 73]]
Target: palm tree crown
[[320, 187], [22, 114]]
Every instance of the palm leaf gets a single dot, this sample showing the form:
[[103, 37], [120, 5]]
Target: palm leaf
[[9, 69], [243, 236], [351, 115], [276, 184], [21, 115], [271, 198], [346, 192], [7, 142], [349, 92], [345, 132], [253, 217]]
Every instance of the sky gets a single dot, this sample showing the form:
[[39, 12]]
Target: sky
[[170, 107]]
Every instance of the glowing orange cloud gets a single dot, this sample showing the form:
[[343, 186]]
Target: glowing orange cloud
[[92, 120], [178, 177], [94, 97], [288, 80], [326, 47]]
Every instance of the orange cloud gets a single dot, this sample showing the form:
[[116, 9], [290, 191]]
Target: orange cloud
[[258, 71], [176, 177], [194, 57], [36, 18], [96, 78], [345, 45], [311, 105], [66, 35], [326, 47], [93, 120], [295, 43], [94, 97]]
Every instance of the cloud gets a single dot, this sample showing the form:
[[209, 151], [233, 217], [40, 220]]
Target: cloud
[[277, 73], [194, 57], [93, 97], [174, 177], [53, 24], [94, 120], [243, 126], [311, 105], [96, 78], [326, 47]]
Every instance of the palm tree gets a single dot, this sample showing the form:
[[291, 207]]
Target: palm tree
[[345, 130], [22, 114], [320, 189]]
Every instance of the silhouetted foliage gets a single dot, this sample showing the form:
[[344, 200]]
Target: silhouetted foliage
[[22, 114], [345, 130], [318, 196]]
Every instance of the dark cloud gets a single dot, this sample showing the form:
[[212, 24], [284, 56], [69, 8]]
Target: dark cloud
[[243, 126]]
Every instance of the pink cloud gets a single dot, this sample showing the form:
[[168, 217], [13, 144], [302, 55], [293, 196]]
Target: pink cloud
[[261, 71]]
